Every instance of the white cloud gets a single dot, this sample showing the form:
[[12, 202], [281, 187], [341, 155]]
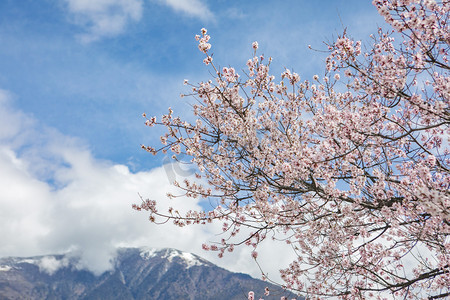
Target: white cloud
[[108, 18], [195, 8], [103, 18], [50, 264], [55, 197]]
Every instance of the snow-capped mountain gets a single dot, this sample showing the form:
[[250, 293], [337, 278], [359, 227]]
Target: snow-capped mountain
[[139, 273]]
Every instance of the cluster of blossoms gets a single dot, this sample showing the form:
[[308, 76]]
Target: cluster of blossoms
[[203, 45], [351, 172]]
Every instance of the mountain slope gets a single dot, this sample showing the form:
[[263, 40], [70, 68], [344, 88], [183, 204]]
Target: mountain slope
[[140, 273]]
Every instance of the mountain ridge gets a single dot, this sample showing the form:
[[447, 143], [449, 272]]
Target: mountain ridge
[[139, 273]]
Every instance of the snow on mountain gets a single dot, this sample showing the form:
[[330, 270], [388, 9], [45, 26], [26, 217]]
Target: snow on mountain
[[188, 258], [5, 268]]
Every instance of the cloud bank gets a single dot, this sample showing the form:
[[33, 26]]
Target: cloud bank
[[56, 197]]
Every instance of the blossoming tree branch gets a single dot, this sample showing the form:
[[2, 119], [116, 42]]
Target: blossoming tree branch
[[350, 170]]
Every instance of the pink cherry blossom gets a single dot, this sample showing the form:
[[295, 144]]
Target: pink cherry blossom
[[352, 174]]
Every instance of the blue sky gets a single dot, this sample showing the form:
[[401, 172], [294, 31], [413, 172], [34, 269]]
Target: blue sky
[[75, 78]]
